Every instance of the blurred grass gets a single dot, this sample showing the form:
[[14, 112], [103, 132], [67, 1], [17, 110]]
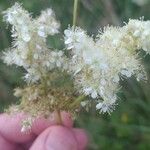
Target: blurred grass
[[129, 126]]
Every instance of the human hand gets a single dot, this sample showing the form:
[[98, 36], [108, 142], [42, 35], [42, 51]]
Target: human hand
[[44, 135]]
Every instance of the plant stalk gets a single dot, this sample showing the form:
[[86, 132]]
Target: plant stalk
[[58, 116], [78, 101], [75, 12]]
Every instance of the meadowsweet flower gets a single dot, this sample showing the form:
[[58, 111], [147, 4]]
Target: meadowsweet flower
[[95, 65], [90, 66], [29, 47], [47, 24], [98, 65], [140, 32], [45, 68], [21, 21], [105, 107], [72, 37]]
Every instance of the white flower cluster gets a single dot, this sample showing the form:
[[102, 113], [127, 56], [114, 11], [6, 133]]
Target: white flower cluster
[[140, 32], [21, 21], [98, 65], [47, 25], [29, 49]]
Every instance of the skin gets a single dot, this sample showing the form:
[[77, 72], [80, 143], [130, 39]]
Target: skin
[[44, 135]]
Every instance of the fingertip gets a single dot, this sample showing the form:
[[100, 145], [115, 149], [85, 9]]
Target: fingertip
[[82, 138], [6, 145], [56, 138], [41, 123], [10, 128], [12, 124]]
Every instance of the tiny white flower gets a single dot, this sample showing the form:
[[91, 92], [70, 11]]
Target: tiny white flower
[[105, 107], [58, 64], [116, 79], [88, 90], [94, 94], [38, 47], [84, 103], [126, 73], [35, 56], [26, 37], [41, 31]]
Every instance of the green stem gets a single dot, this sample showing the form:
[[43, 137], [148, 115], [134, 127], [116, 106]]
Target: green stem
[[75, 12], [59, 119], [78, 101]]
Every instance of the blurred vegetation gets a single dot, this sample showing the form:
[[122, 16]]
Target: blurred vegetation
[[128, 127]]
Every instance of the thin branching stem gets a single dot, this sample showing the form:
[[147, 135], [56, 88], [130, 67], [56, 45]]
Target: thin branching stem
[[75, 12]]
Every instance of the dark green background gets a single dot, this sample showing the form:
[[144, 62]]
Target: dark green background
[[128, 127]]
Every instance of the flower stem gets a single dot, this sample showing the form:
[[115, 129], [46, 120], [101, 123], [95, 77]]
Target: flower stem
[[78, 101], [75, 12], [58, 115]]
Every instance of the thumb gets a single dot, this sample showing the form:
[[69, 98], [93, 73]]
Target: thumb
[[56, 138]]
